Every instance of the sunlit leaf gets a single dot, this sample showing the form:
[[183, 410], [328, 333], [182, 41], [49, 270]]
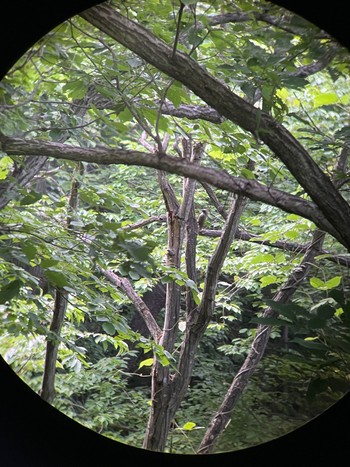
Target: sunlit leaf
[[188, 426], [147, 362], [326, 98], [268, 280], [263, 258]]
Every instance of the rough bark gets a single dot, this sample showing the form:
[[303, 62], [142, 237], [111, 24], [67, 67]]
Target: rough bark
[[186, 70], [179, 218]]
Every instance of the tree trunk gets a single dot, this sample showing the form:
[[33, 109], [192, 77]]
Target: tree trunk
[[179, 217], [48, 383], [198, 318], [47, 391]]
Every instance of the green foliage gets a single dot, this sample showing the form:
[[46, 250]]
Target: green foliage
[[99, 398]]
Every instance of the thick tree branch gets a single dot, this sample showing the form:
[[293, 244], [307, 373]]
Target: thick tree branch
[[192, 112], [144, 222], [186, 70], [219, 178]]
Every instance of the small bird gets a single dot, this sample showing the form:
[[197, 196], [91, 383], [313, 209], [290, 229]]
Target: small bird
[[202, 218]]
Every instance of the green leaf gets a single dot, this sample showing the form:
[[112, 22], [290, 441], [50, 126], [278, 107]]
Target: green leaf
[[263, 258], [315, 323], [164, 360], [174, 96], [5, 165], [134, 275], [289, 310], [108, 328], [295, 82], [309, 344], [125, 115], [29, 250], [270, 321], [319, 284], [268, 280], [188, 426], [147, 362], [246, 173], [31, 198], [75, 89], [137, 251], [56, 278], [334, 282], [326, 98], [196, 297], [48, 262], [325, 312], [9, 291], [316, 387]]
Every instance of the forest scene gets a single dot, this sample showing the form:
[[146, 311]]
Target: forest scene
[[175, 222]]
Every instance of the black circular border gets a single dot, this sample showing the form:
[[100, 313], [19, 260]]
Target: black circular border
[[34, 434]]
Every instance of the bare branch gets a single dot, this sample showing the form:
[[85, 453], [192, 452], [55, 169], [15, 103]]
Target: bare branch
[[293, 247], [316, 66], [219, 178], [144, 222], [123, 284], [279, 21]]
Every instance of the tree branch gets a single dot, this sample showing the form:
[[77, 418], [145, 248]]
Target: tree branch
[[144, 222], [186, 70], [123, 284], [265, 17], [342, 260], [219, 178]]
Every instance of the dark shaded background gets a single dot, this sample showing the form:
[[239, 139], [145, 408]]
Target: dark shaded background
[[34, 434]]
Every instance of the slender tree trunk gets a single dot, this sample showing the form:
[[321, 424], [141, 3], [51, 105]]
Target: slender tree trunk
[[47, 391], [223, 415], [48, 383], [221, 418]]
